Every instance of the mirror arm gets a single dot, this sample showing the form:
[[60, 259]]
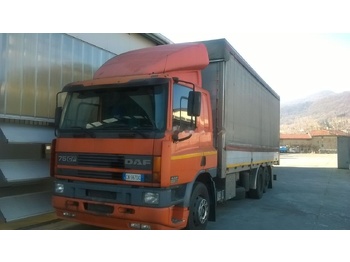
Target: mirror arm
[[176, 138]]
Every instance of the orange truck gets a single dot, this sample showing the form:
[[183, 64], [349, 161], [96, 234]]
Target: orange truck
[[161, 135]]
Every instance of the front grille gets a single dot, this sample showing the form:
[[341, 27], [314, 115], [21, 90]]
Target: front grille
[[115, 176], [105, 160], [101, 160], [90, 174], [117, 165], [100, 175]]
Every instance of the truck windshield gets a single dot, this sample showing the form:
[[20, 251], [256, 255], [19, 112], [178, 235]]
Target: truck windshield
[[120, 108]]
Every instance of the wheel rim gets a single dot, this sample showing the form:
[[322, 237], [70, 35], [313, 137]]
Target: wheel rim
[[203, 210]]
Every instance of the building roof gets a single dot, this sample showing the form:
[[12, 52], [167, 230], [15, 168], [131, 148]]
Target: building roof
[[313, 133], [159, 39], [295, 136]]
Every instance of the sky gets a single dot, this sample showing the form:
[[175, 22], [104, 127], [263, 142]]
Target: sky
[[295, 65], [299, 47]]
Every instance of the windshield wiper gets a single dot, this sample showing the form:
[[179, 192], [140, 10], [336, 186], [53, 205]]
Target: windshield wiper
[[91, 134], [136, 130]]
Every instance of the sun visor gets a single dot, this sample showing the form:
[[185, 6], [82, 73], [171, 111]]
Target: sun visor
[[19, 133]]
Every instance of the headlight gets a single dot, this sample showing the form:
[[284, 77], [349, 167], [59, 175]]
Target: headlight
[[151, 198], [59, 188]]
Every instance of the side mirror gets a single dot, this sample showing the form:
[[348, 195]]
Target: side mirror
[[194, 103]]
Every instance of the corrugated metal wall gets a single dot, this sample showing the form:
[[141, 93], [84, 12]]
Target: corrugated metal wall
[[34, 67], [114, 42]]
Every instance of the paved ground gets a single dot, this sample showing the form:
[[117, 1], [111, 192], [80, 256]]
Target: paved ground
[[310, 193]]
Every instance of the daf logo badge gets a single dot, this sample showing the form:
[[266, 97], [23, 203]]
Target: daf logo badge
[[138, 162]]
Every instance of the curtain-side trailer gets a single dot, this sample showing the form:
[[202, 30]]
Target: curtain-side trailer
[[246, 119], [160, 135]]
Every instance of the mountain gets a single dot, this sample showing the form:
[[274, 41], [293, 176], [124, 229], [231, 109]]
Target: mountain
[[311, 98], [324, 110]]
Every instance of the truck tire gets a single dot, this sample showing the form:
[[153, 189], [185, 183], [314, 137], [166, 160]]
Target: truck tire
[[269, 168], [199, 207], [266, 176], [259, 191]]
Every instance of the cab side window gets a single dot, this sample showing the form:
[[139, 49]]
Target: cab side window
[[181, 121]]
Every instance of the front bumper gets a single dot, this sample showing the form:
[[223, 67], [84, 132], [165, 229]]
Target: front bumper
[[119, 216]]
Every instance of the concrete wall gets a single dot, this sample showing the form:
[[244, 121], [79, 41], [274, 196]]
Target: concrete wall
[[324, 144], [344, 152]]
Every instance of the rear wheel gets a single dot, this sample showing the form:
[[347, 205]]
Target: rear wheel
[[199, 207], [266, 176], [269, 171]]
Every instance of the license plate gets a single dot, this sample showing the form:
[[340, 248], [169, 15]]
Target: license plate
[[133, 177]]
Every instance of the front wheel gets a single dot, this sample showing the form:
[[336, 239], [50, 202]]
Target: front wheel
[[199, 207]]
